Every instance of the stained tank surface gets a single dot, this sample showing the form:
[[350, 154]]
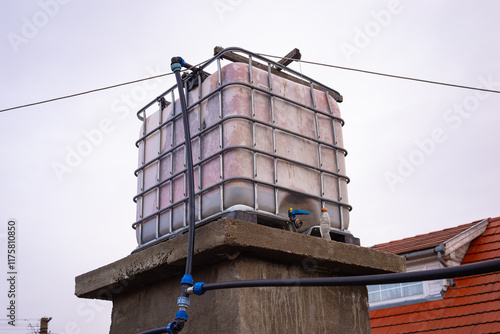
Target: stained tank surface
[[260, 143]]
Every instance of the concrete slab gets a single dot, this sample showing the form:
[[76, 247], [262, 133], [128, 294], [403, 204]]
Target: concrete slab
[[144, 286], [225, 239]]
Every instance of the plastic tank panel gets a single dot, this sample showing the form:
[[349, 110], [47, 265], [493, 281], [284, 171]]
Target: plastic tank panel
[[284, 135]]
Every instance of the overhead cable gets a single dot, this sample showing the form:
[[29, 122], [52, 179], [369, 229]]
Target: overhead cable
[[265, 55], [385, 74], [92, 90]]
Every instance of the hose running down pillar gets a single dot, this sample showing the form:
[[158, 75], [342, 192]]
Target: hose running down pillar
[[187, 281]]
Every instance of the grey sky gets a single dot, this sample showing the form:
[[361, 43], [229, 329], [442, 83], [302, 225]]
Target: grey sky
[[421, 157]]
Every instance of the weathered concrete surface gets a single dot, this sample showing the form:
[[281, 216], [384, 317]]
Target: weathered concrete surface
[[250, 310], [144, 286]]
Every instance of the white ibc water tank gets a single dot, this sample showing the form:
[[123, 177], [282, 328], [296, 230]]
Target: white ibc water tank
[[260, 142]]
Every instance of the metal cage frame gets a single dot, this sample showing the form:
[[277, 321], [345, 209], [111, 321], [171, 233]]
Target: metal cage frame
[[168, 97]]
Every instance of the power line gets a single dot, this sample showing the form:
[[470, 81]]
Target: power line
[[265, 55], [85, 92], [93, 90], [386, 75]]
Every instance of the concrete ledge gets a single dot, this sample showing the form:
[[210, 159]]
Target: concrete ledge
[[224, 240]]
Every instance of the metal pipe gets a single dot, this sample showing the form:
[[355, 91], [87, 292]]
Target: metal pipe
[[421, 253]]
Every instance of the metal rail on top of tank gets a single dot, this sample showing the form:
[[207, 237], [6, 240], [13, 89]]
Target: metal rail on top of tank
[[196, 77]]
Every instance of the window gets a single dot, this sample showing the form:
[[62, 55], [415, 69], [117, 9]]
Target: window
[[383, 292]]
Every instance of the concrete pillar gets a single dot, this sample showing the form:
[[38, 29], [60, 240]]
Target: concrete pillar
[[144, 286]]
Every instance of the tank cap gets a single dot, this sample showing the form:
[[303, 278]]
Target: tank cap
[[323, 210]]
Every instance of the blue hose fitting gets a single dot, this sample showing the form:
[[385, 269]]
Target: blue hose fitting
[[187, 279], [183, 302], [177, 64], [182, 315], [183, 63], [169, 327], [198, 288], [176, 67]]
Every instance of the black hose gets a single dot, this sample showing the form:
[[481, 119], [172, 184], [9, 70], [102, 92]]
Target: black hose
[[175, 327], [449, 272], [155, 331], [189, 161], [181, 316]]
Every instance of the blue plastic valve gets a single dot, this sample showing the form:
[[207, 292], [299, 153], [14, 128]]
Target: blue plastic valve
[[293, 213]]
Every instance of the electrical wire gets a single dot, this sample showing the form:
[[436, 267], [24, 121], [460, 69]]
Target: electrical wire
[[265, 55], [384, 74], [96, 89], [85, 92]]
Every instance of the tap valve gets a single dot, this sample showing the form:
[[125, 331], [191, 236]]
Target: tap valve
[[292, 216]]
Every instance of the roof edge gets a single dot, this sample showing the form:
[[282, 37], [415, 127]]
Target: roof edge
[[465, 237]]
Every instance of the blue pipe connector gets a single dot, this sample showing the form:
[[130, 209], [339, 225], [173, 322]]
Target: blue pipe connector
[[198, 288], [183, 302], [169, 327], [175, 67], [177, 64], [181, 315], [175, 327], [187, 279]]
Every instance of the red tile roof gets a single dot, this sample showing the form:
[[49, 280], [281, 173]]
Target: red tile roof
[[472, 306], [423, 241]]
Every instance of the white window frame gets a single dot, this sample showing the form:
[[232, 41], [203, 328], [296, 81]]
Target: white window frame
[[421, 264]]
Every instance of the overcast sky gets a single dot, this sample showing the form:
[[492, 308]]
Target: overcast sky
[[421, 157]]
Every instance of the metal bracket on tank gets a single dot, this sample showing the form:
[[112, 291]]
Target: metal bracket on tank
[[162, 102], [192, 78]]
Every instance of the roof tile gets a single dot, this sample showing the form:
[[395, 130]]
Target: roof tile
[[489, 316], [472, 306], [486, 328], [423, 241]]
